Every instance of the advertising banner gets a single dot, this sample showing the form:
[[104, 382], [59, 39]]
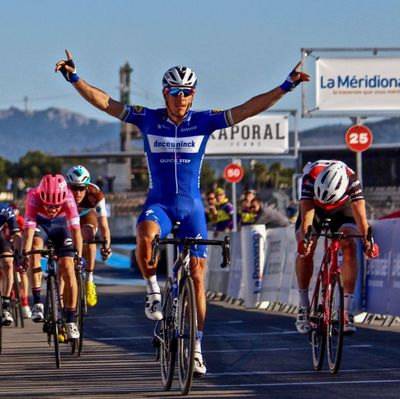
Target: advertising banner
[[257, 135], [378, 269], [275, 256], [253, 259], [358, 84]]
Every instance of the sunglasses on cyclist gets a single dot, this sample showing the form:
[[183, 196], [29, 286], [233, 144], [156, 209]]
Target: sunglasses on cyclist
[[52, 206], [176, 91], [77, 188]]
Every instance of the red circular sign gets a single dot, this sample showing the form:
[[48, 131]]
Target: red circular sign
[[359, 138], [233, 173]]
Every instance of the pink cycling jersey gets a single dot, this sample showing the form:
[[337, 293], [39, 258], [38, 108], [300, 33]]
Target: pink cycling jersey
[[34, 208]]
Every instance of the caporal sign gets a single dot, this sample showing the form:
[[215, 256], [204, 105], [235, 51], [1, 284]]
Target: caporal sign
[[256, 135], [358, 84]]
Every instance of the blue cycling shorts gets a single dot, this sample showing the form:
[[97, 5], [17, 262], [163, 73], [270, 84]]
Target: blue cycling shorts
[[188, 212]]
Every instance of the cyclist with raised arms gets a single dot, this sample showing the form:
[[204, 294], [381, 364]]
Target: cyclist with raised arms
[[51, 214], [330, 190], [93, 215], [175, 139], [8, 219]]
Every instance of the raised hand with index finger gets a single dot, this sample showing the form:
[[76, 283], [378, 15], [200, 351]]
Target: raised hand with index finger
[[67, 68]]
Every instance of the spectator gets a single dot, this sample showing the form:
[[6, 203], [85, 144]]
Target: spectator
[[110, 183], [9, 184], [266, 215], [245, 215], [225, 211], [20, 187], [291, 211], [100, 182], [211, 210]]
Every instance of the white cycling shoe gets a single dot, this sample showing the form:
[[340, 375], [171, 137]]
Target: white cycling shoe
[[153, 308], [26, 312], [37, 313], [199, 365], [72, 331], [303, 321], [6, 318]]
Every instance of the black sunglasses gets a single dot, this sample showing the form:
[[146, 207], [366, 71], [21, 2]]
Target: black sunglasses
[[77, 188]]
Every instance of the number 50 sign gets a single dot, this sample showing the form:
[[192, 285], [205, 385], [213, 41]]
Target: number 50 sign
[[358, 138]]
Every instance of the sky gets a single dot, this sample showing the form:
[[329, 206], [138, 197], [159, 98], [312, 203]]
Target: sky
[[237, 48]]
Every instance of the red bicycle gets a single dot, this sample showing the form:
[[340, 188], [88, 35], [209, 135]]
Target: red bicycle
[[327, 303]]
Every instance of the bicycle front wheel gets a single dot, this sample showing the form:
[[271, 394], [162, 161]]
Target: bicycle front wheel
[[77, 344], [54, 313], [334, 331], [317, 334], [168, 338], [18, 301], [186, 334]]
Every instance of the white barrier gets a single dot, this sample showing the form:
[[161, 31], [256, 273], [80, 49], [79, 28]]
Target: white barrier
[[263, 267]]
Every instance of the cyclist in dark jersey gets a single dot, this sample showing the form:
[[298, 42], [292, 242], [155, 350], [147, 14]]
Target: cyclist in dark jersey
[[175, 138], [330, 189], [8, 218]]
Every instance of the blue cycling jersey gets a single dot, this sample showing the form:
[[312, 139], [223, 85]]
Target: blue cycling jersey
[[174, 154], [7, 215]]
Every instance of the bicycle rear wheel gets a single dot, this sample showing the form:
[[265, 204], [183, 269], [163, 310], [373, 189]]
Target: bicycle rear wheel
[[54, 319], [77, 344], [317, 334], [334, 334], [186, 333], [168, 338]]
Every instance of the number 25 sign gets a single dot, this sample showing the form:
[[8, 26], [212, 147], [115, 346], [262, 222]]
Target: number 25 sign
[[358, 138]]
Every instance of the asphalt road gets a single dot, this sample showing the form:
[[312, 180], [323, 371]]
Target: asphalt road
[[249, 354]]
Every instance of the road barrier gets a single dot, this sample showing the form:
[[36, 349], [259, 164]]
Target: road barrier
[[262, 273]]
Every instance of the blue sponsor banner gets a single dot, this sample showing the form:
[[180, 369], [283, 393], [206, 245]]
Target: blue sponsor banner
[[393, 306], [359, 288], [378, 282]]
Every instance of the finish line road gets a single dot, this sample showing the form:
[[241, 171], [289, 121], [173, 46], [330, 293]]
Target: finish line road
[[249, 354]]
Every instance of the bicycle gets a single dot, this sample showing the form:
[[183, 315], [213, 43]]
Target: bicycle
[[81, 308], [15, 298], [175, 334], [327, 303], [53, 313]]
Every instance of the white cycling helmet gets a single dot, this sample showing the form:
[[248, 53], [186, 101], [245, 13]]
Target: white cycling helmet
[[331, 183], [179, 76], [78, 176]]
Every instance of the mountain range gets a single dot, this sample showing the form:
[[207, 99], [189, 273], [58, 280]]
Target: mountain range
[[54, 131], [58, 131]]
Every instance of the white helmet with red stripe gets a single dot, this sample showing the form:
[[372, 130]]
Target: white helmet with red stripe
[[331, 183]]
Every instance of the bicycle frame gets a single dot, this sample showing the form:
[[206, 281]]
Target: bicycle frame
[[330, 258]]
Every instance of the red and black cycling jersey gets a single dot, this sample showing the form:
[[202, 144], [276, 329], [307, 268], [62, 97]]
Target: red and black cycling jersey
[[353, 193]]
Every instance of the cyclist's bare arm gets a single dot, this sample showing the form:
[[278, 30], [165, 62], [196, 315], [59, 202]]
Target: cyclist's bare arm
[[93, 95], [360, 216], [17, 242], [264, 101], [27, 240], [104, 229], [307, 212], [77, 239]]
